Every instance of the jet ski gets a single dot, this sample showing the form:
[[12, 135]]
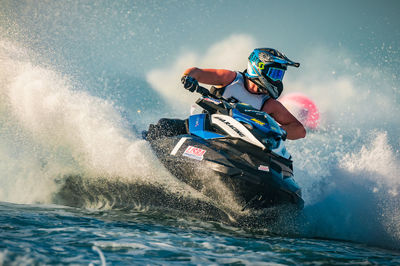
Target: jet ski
[[237, 143]]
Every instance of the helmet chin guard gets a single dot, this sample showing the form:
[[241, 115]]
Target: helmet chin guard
[[270, 89], [266, 68]]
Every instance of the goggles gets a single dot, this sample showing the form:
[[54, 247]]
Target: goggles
[[274, 73]]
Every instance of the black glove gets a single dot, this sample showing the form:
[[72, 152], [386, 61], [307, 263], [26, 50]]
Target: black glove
[[189, 83]]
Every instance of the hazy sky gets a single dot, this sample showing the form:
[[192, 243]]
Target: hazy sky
[[133, 36]]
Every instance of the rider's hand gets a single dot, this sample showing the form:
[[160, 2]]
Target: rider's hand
[[189, 83]]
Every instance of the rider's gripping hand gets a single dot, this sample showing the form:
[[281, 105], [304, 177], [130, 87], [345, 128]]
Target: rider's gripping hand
[[189, 83]]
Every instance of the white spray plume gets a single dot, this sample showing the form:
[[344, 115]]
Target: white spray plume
[[51, 129], [230, 53]]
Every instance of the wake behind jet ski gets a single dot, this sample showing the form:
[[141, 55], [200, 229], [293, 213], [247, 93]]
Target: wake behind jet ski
[[237, 143]]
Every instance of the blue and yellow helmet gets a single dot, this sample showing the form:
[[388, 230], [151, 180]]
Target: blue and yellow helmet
[[266, 68]]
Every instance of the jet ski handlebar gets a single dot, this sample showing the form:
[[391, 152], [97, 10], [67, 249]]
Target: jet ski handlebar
[[192, 85], [205, 92]]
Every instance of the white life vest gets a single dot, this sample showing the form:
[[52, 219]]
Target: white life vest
[[238, 91]]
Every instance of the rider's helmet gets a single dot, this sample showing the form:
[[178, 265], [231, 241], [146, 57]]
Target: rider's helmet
[[266, 68]]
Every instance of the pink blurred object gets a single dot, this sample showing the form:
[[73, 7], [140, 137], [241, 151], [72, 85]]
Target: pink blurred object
[[303, 108]]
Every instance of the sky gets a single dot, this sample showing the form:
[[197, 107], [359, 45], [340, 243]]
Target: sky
[[134, 36]]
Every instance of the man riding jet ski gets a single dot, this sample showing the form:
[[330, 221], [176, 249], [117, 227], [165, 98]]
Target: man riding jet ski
[[236, 138], [259, 85]]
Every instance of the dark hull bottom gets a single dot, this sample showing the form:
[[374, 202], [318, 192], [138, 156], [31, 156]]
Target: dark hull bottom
[[252, 188]]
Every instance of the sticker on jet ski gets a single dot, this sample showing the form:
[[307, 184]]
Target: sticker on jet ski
[[263, 168], [234, 129], [214, 101], [178, 146], [194, 153]]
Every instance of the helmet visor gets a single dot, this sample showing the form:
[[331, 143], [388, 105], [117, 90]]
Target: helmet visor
[[276, 74]]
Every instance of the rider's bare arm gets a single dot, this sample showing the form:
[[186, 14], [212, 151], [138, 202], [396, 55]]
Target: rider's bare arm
[[294, 129], [217, 77]]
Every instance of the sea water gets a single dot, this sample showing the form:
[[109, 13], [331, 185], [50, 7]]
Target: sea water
[[78, 184], [46, 234]]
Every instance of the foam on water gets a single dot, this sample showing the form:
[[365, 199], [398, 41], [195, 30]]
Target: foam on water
[[356, 198]]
